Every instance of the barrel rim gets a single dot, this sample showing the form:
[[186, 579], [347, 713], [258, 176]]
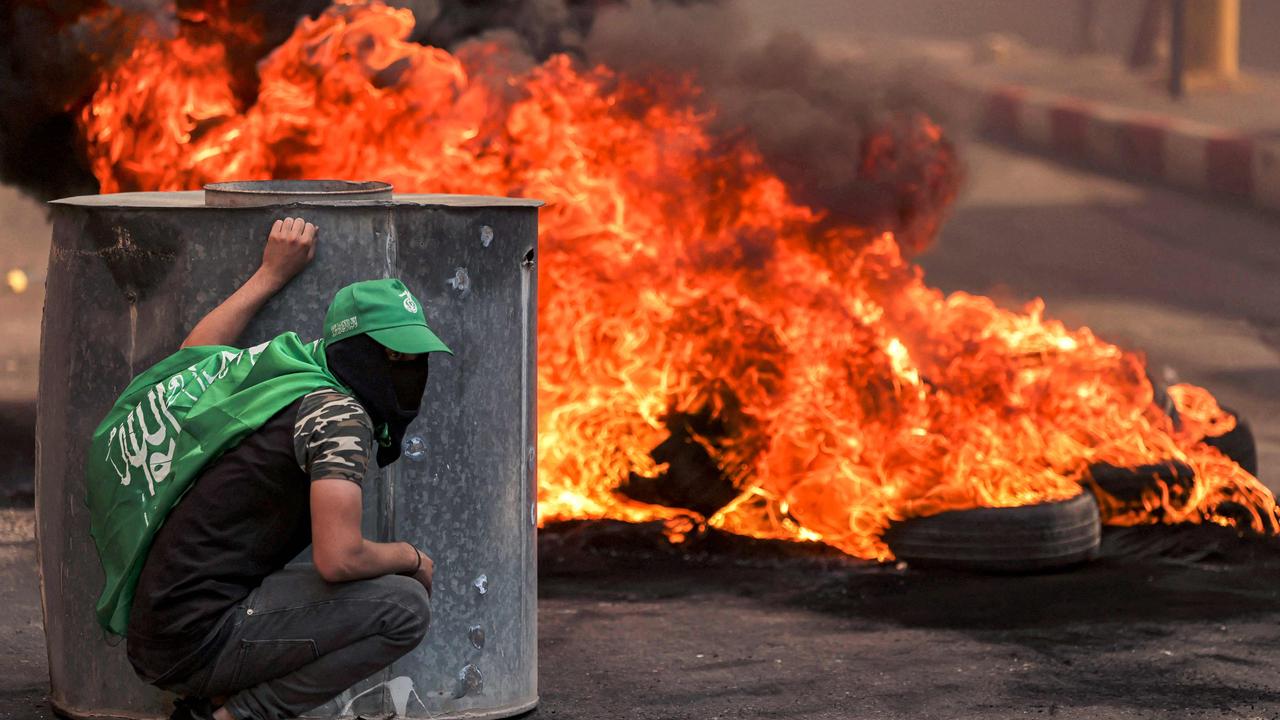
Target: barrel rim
[[194, 200], [321, 186], [270, 192]]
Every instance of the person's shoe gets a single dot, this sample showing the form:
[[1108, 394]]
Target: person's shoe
[[193, 708]]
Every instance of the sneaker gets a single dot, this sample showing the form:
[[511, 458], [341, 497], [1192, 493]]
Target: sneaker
[[194, 708]]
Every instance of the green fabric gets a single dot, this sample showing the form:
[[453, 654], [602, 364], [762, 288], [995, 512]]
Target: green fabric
[[387, 311], [170, 422]]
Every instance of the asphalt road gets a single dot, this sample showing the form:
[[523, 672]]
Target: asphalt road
[[726, 629]]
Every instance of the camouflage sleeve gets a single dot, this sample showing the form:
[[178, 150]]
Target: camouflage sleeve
[[333, 436]]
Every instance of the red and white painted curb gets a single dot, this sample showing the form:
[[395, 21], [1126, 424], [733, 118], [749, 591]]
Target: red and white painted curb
[[1182, 153]]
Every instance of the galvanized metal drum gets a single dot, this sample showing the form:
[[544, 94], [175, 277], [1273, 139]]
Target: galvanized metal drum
[[130, 274]]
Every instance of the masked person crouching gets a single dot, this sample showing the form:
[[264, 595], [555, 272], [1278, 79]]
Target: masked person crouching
[[218, 465]]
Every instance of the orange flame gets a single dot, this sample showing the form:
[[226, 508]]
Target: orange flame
[[678, 276]]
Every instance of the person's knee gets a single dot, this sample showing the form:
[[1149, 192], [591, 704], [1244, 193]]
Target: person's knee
[[414, 616]]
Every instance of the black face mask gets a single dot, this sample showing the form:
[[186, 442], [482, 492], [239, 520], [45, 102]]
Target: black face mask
[[390, 390]]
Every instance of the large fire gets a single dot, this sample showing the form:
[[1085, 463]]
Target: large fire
[[679, 277]]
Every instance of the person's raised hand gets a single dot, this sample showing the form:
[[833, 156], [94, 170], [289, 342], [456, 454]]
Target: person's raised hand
[[290, 246]]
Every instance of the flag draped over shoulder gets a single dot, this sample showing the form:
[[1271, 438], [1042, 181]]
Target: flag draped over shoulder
[[170, 422]]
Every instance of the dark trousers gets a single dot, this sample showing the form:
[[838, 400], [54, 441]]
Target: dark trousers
[[298, 641]]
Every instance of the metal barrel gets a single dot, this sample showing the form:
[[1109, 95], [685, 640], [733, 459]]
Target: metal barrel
[[131, 273]]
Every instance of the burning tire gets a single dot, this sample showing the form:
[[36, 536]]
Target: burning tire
[[1128, 484], [1018, 539], [1238, 444]]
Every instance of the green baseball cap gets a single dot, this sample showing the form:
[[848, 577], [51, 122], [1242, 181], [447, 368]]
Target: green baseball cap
[[386, 311]]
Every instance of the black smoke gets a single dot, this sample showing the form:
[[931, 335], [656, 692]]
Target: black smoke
[[816, 120], [43, 70], [53, 55]]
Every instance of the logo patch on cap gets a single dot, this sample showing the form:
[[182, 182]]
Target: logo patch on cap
[[409, 304], [340, 327]]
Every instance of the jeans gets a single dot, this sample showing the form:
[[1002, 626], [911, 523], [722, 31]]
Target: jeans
[[298, 641]]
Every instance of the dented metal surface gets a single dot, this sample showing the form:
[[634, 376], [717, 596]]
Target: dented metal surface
[[126, 282]]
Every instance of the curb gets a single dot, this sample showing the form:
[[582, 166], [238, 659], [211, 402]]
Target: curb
[[1183, 153]]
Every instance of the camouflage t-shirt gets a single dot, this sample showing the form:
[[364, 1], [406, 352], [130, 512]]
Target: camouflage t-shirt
[[332, 437]]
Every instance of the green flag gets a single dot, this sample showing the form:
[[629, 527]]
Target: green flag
[[170, 422]]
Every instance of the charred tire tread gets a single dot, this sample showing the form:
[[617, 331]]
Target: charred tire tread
[[1238, 444], [1019, 539]]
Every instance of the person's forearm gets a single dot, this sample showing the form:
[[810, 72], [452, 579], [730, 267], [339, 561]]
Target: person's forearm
[[375, 559], [290, 246], [225, 323]]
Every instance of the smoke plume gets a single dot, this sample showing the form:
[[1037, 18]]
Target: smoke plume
[[815, 120]]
